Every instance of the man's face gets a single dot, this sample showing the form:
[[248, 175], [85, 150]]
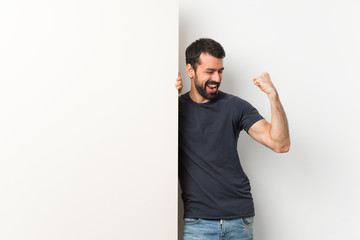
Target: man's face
[[208, 76]]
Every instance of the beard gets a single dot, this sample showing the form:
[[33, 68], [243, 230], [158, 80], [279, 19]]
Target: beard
[[202, 89]]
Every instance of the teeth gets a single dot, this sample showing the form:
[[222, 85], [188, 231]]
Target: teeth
[[213, 85]]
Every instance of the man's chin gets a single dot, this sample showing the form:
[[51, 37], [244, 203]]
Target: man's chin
[[211, 95]]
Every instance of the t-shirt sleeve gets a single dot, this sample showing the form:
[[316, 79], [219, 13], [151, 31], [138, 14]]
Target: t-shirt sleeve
[[246, 115]]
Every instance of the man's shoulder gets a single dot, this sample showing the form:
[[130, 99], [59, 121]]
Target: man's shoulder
[[235, 101], [184, 97], [224, 95], [230, 97]]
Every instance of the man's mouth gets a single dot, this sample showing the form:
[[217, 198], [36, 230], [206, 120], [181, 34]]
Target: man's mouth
[[212, 87]]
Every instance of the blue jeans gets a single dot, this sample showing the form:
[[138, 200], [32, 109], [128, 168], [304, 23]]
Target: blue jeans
[[203, 229]]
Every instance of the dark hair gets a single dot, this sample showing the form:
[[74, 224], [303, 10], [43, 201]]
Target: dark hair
[[203, 45]]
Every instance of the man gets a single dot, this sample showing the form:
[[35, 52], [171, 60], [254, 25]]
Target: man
[[215, 190]]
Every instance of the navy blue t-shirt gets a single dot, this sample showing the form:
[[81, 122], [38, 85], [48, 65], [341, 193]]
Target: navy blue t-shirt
[[213, 183]]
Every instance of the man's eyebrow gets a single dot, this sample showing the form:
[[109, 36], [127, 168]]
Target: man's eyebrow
[[213, 69]]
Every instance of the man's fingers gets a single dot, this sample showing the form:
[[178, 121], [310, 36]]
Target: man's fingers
[[178, 83], [264, 83], [256, 82], [178, 80]]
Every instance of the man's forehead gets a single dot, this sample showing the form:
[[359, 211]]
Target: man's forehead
[[209, 61]]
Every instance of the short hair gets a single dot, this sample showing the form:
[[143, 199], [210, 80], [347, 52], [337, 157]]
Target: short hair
[[203, 45]]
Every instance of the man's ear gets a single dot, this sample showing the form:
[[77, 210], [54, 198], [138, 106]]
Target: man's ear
[[190, 70]]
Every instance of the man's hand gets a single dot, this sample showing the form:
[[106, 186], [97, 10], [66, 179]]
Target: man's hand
[[178, 83], [265, 84]]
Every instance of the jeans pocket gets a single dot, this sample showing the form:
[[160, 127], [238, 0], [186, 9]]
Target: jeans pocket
[[191, 221], [247, 222]]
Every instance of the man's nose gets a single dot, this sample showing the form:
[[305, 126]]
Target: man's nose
[[216, 77]]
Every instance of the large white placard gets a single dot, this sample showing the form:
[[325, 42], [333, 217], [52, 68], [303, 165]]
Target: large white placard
[[88, 119]]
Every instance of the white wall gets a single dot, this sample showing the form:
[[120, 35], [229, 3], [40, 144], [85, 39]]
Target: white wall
[[88, 119], [311, 50]]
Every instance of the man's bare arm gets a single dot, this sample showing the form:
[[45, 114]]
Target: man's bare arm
[[274, 135]]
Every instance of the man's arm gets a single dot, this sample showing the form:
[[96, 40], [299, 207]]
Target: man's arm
[[274, 135]]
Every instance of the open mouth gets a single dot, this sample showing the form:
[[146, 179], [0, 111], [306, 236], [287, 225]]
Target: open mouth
[[212, 87]]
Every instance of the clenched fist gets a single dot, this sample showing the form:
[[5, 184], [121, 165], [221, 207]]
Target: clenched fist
[[265, 84]]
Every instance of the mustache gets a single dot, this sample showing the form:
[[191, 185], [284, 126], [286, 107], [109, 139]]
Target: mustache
[[212, 82]]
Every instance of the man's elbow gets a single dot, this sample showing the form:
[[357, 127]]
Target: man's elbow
[[282, 148]]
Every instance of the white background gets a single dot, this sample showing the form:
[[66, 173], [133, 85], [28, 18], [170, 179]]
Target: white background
[[311, 50], [88, 119]]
